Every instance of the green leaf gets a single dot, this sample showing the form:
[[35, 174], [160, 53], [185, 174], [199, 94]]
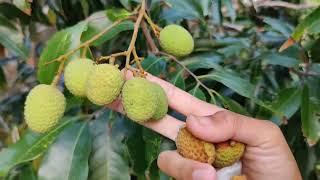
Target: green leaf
[[23, 5], [107, 161], [85, 7], [281, 60], [310, 117], [98, 22], [6, 23], [278, 25], [3, 81], [117, 13], [136, 149], [205, 6], [198, 93], [288, 103], [152, 145], [312, 19], [27, 173], [233, 105], [10, 11], [187, 9], [232, 80], [216, 15], [29, 147], [231, 10], [154, 65], [68, 157], [206, 60], [8, 39], [62, 42], [177, 79]]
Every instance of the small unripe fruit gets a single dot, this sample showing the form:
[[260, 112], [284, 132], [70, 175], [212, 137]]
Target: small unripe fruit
[[193, 148], [162, 107], [228, 153], [139, 99], [104, 84], [176, 40], [76, 74], [44, 107]]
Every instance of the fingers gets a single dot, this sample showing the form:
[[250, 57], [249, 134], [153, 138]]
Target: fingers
[[181, 168], [167, 126], [182, 101], [226, 125]]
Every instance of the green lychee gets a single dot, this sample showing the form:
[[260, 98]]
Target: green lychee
[[104, 84], [139, 99], [176, 40], [162, 107], [44, 107], [193, 148], [76, 74]]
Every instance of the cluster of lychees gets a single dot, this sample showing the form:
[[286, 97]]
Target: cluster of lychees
[[102, 84], [219, 154]]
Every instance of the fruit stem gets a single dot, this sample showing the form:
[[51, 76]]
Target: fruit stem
[[155, 28], [138, 60], [84, 52], [59, 73], [105, 58], [149, 39], [135, 34]]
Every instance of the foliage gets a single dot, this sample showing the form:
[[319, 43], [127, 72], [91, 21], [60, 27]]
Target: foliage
[[236, 64]]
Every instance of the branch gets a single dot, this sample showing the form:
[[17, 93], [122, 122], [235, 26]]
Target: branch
[[149, 39], [284, 4], [191, 73], [135, 33]]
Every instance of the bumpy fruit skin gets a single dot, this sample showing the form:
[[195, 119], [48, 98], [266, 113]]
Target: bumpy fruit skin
[[44, 107], [176, 40], [162, 108], [76, 74], [228, 153], [193, 148], [104, 84], [139, 99]]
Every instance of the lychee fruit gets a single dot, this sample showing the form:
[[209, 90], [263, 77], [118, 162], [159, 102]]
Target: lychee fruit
[[44, 107], [193, 148], [162, 107], [176, 40], [228, 153], [104, 84], [76, 74], [139, 99]]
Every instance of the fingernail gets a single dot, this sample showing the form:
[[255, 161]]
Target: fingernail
[[203, 174]]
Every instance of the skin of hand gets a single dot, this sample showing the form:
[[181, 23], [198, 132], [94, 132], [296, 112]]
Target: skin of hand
[[267, 155]]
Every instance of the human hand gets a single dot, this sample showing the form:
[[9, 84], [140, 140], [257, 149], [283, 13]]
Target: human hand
[[267, 154]]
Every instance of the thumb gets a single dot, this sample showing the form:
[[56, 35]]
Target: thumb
[[225, 125]]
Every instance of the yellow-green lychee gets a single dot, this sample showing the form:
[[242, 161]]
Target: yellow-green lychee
[[193, 148], [76, 74], [139, 99], [176, 40], [44, 107], [162, 107], [227, 153], [104, 84]]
